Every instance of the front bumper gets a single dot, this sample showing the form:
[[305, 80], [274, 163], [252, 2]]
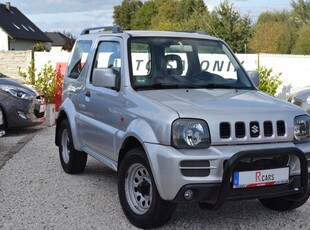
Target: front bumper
[[216, 187], [24, 113], [217, 194]]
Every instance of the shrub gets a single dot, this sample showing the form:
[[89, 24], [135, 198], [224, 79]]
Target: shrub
[[40, 46], [45, 82], [268, 83]]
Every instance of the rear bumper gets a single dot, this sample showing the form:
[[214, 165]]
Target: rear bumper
[[217, 193]]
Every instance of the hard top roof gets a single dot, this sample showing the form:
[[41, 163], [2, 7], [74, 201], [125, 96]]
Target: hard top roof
[[116, 31]]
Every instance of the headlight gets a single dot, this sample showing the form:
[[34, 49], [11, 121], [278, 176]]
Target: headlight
[[302, 128], [17, 92], [190, 133]]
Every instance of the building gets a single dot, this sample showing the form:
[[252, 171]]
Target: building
[[58, 41], [17, 32]]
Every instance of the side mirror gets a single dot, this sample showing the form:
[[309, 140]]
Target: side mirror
[[254, 76], [104, 77]]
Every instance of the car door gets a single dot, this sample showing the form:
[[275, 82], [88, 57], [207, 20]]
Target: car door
[[100, 107]]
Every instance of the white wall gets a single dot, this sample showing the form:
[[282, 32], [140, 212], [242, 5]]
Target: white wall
[[41, 58], [295, 69], [4, 43]]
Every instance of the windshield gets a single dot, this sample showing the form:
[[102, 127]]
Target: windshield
[[164, 63]]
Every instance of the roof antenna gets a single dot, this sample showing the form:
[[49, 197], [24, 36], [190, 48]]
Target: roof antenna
[[206, 23]]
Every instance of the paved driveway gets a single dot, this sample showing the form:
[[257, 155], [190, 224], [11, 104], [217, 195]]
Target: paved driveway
[[13, 141], [35, 193]]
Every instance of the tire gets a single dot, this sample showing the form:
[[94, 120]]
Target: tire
[[72, 161], [283, 203], [138, 194], [4, 123]]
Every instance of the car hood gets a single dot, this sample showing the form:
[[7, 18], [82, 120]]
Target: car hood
[[191, 102], [7, 81], [217, 106]]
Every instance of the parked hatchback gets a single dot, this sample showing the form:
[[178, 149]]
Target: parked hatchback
[[301, 98], [21, 106], [2, 131]]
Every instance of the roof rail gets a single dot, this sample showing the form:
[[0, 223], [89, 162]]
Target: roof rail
[[202, 32], [114, 29], [194, 31]]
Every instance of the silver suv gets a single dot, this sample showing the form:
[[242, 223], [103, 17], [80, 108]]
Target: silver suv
[[181, 121]]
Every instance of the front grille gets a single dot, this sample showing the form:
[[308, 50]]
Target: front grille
[[281, 128], [260, 163], [37, 114], [40, 100], [195, 168], [268, 131], [253, 129], [240, 129], [225, 130]]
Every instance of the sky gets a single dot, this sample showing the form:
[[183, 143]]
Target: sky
[[75, 15]]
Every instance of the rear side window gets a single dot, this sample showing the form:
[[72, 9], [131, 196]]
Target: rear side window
[[78, 58]]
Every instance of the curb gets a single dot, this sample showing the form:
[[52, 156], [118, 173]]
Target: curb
[[16, 148]]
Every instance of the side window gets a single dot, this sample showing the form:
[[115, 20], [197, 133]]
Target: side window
[[78, 58], [108, 56]]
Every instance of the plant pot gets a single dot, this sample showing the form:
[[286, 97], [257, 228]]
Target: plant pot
[[50, 116]]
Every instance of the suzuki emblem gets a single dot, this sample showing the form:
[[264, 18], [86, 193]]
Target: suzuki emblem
[[254, 129]]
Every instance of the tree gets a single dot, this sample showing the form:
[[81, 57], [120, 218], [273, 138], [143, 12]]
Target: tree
[[197, 21], [275, 16], [191, 15], [301, 12], [69, 41], [166, 15], [271, 37], [273, 33], [186, 8], [302, 45], [124, 13], [170, 15], [40, 46], [142, 20], [229, 25]]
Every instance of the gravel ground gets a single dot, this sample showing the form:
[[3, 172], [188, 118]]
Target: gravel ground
[[35, 193]]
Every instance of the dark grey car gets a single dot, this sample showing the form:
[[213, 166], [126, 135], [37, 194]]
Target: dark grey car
[[301, 98], [2, 131], [21, 106]]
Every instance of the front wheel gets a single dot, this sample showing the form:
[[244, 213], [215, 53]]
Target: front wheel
[[72, 161], [283, 203], [138, 194], [3, 126]]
